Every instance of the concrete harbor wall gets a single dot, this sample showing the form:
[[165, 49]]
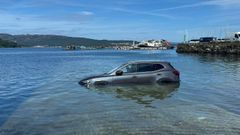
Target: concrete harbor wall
[[211, 48]]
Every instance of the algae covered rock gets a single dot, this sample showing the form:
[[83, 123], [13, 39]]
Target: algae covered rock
[[212, 48]]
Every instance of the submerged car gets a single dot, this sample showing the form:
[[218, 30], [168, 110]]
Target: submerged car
[[137, 72]]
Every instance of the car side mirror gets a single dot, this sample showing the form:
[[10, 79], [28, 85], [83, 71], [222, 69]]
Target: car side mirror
[[119, 73]]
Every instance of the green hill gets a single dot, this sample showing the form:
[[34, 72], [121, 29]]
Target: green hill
[[8, 44], [57, 40]]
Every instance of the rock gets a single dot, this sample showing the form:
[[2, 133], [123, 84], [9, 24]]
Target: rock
[[211, 48]]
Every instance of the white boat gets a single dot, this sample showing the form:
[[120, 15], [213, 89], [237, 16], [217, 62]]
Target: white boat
[[153, 44]]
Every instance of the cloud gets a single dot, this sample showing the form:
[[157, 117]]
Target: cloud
[[142, 13], [86, 13], [107, 19], [221, 3], [181, 7], [34, 4], [112, 6]]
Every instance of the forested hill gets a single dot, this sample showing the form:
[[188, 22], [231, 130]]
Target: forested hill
[[7, 44], [57, 40]]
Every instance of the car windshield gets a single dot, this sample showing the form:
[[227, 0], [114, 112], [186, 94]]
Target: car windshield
[[116, 68], [131, 68]]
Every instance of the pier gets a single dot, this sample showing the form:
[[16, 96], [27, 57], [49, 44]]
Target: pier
[[211, 48]]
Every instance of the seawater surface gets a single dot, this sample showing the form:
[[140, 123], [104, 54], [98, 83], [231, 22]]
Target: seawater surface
[[40, 94]]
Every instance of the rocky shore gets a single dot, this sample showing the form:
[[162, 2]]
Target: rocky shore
[[210, 48]]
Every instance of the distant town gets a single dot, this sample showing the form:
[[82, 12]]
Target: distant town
[[230, 45]]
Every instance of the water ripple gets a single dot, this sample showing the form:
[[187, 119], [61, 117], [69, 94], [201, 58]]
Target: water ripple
[[39, 94]]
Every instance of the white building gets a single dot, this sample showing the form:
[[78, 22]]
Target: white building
[[151, 43]]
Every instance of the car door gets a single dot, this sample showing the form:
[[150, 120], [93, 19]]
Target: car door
[[128, 76], [145, 73]]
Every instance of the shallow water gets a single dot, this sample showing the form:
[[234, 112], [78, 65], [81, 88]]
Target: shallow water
[[40, 95]]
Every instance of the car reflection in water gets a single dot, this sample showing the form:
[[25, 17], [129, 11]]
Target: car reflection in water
[[141, 94]]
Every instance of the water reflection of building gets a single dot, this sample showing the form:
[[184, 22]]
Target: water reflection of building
[[70, 47], [142, 94]]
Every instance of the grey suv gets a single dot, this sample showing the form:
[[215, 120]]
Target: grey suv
[[138, 72]]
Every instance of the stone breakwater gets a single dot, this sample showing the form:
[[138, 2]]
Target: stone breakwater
[[211, 48]]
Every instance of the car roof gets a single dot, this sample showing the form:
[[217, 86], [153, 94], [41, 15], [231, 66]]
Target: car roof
[[148, 61]]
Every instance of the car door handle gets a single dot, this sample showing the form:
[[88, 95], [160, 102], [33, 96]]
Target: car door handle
[[159, 74], [134, 77]]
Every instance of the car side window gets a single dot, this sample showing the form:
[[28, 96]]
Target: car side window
[[149, 67], [131, 68], [157, 67], [145, 67]]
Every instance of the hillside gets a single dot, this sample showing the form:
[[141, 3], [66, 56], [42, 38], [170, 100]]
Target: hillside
[[7, 44], [57, 40]]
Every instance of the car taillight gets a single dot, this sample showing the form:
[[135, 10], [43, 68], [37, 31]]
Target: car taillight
[[177, 73]]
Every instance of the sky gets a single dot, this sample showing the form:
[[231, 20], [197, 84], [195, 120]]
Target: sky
[[121, 19]]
